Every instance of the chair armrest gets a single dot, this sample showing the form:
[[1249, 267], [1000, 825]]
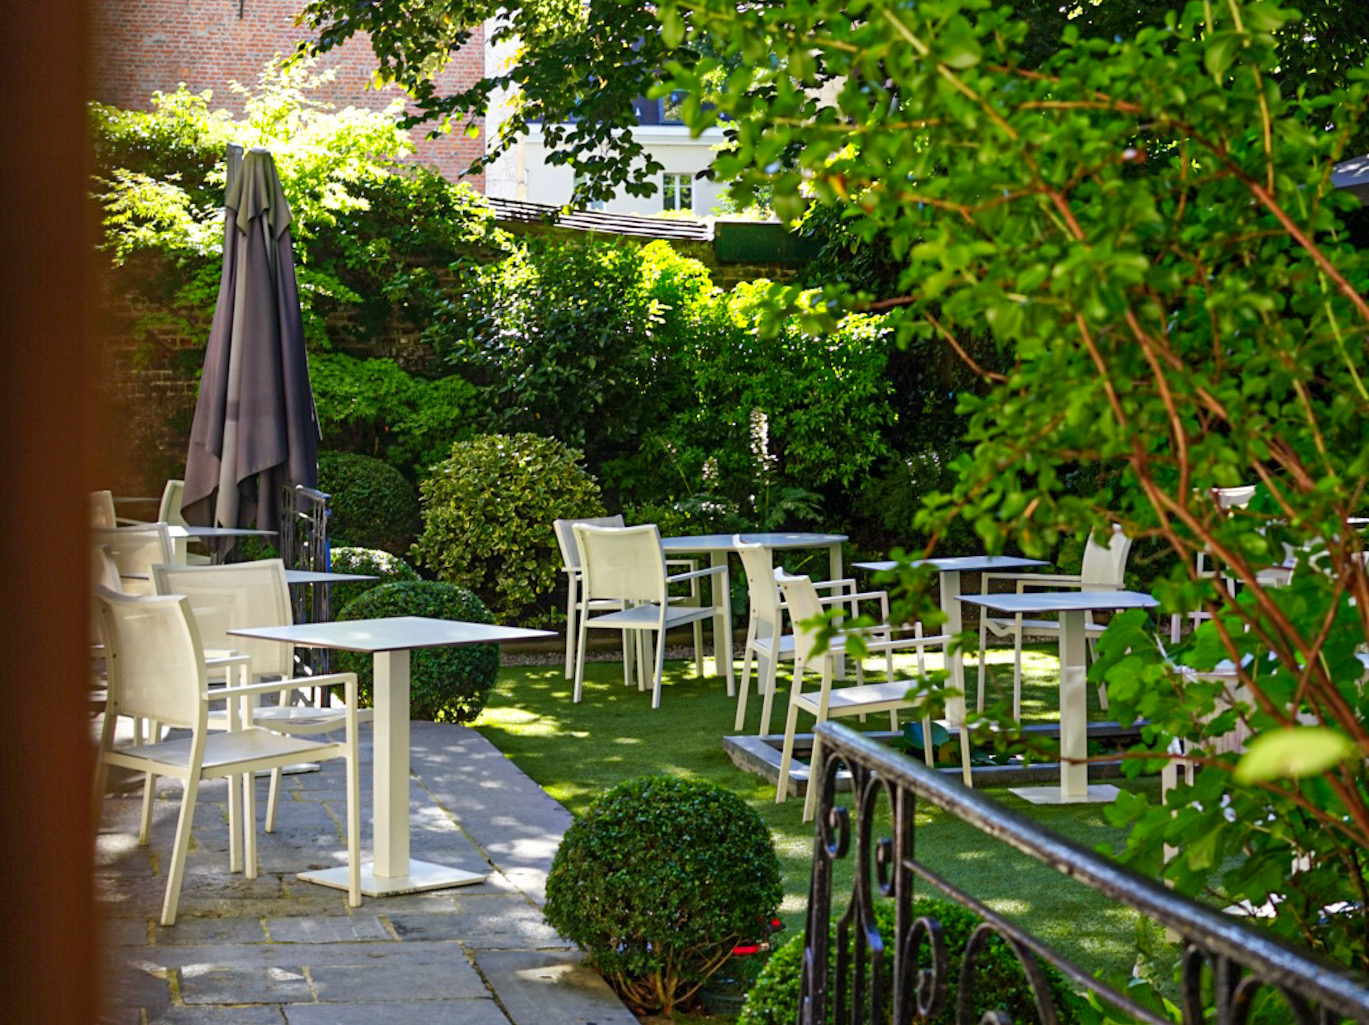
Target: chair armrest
[[1045, 578], [276, 686], [829, 585], [215, 658], [675, 578], [687, 563]]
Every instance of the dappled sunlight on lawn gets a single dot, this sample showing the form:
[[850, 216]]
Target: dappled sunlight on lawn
[[578, 751]]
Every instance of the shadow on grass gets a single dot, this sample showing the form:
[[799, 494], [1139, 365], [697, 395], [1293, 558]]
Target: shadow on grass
[[577, 751]]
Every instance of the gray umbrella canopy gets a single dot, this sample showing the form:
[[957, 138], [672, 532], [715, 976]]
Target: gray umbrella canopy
[[255, 426]]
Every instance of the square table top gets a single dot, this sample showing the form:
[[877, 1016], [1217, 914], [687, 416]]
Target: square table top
[[1061, 601], [723, 542], [395, 633], [960, 563], [311, 576]]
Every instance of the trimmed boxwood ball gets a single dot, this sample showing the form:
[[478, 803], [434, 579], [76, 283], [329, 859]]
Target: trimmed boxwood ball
[[446, 684], [389, 569], [370, 504], [1000, 981], [658, 881]]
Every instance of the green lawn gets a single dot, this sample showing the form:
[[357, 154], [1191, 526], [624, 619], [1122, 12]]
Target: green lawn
[[576, 752]]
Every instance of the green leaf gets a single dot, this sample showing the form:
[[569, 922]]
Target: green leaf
[[1296, 752], [959, 47]]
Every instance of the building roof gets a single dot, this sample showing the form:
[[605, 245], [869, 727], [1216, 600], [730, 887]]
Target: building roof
[[602, 222]]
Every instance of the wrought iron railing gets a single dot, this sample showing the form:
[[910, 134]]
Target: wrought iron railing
[[304, 545], [1226, 963]]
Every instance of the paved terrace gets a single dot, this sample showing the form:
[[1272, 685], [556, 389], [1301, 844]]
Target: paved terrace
[[276, 950]]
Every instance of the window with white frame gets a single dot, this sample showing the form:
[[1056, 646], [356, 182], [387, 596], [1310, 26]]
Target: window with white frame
[[677, 192]]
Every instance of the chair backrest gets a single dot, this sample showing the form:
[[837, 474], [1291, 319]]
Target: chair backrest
[[235, 595], [622, 563], [1105, 565], [565, 536], [102, 516], [135, 550], [170, 509], [1234, 498], [759, 563], [802, 599], [153, 657]]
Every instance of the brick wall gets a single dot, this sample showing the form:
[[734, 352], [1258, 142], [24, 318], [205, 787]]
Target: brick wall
[[142, 46]]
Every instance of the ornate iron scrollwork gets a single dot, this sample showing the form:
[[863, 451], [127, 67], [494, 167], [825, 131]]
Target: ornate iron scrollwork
[[1226, 964]]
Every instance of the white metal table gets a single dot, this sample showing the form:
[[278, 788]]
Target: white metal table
[[1071, 605], [389, 641], [717, 547], [949, 569]]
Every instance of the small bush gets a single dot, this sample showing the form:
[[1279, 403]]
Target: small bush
[[487, 513], [371, 505], [658, 881], [446, 684], [387, 568], [999, 979]]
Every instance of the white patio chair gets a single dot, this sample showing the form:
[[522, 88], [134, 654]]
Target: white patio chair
[[626, 566], [102, 515], [232, 595], [135, 551], [829, 702], [767, 643], [1103, 569], [575, 603], [169, 512], [157, 671]]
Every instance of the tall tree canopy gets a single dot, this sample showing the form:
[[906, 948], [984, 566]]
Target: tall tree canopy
[[580, 65]]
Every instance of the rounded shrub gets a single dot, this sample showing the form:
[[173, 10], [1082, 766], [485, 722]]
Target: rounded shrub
[[999, 979], [386, 568], [446, 684], [370, 504], [488, 511], [658, 881]]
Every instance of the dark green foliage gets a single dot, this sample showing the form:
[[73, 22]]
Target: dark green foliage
[[1000, 982], [370, 504], [446, 684], [658, 881], [487, 519], [389, 569], [564, 336], [373, 407]]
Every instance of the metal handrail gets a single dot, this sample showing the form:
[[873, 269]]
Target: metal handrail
[[1243, 960]]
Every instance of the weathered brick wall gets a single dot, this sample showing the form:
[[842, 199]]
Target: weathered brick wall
[[143, 46]]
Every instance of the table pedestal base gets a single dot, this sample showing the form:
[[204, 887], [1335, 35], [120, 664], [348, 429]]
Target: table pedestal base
[[1097, 793], [423, 875]]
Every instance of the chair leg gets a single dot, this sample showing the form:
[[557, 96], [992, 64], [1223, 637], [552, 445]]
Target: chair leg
[[767, 684], [739, 721], [176, 875], [810, 792], [571, 626], [791, 722], [145, 826], [1017, 675], [698, 647], [579, 661], [248, 816], [353, 823], [983, 657], [273, 800], [660, 666]]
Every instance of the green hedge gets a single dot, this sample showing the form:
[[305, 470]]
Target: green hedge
[[658, 881], [370, 504], [446, 684]]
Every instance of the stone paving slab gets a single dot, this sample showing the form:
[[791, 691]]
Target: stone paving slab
[[545, 987], [278, 950]]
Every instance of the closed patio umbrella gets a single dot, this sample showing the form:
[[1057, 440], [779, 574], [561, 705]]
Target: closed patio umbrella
[[255, 427]]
